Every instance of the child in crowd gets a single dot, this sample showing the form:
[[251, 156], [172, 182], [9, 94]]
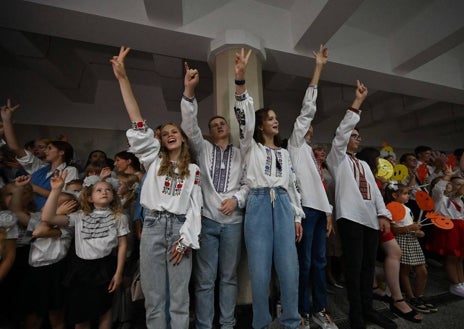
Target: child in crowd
[[74, 187], [172, 199], [122, 304], [48, 250], [100, 228], [447, 193], [406, 233]]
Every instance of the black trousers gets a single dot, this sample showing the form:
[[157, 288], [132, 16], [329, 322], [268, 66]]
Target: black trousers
[[359, 244]]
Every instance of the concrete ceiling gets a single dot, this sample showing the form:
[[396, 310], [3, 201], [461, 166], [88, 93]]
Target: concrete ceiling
[[410, 53]]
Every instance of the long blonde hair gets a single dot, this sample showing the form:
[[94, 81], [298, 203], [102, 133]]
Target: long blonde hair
[[167, 167]]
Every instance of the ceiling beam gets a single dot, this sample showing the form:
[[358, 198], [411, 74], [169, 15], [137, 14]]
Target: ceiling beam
[[315, 22], [431, 33]]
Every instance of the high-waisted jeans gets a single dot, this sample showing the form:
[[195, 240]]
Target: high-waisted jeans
[[158, 276], [270, 236]]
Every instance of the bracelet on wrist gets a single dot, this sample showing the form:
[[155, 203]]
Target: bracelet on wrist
[[181, 249], [139, 125], [358, 111], [239, 82]]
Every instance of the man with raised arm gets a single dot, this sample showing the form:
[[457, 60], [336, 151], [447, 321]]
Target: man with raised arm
[[223, 199], [361, 213]]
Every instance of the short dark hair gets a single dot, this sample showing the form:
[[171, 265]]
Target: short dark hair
[[214, 118], [421, 149], [405, 156], [66, 148], [135, 163]]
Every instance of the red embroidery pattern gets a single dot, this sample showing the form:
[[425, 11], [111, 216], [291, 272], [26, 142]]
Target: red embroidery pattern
[[197, 177], [173, 185]]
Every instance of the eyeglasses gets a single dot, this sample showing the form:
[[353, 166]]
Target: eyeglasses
[[356, 136]]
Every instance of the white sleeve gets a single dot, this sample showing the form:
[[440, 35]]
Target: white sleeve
[[144, 145], [340, 142], [245, 114], [189, 111], [190, 230], [303, 121], [294, 194], [30, 162]]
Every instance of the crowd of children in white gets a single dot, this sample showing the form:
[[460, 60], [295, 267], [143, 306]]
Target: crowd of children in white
[[76, 241]]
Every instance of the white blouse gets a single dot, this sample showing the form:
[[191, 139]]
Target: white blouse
[[444, 205], [261, 161], [222, 170], [313, 194], [349, 202], [406, 220], [96, 234], [166, 193], [47, 251]]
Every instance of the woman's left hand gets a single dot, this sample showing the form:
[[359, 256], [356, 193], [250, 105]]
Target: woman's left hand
[[177, 255], [298, 232]]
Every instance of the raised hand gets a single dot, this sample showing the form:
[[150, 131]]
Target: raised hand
[[361, 91], [191, 80], [118, 63], [321, 56], [105, 172], [67, 207], [8, 110], [22, 180], [241, 62], [58, 179]]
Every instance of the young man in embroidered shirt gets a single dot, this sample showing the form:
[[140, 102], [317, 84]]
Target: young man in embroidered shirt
[[223, 199], [318, 211], [360, 213]]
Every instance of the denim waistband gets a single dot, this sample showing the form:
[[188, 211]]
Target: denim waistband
[[157, 214], [272, 191], [267, 190]]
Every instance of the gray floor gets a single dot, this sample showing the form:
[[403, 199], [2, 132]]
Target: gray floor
[[450, 313], [449, 316]]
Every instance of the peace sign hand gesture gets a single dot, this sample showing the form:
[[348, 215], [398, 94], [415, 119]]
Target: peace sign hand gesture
[[321, 56], [241, 62], [118, 63], [8, 110]]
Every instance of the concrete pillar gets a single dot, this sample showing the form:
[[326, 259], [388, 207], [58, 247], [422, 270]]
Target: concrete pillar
[[222, 60]]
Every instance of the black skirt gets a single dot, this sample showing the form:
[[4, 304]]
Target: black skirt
[[87, 282]]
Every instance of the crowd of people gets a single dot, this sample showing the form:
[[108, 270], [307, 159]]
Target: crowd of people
[[176, 207]]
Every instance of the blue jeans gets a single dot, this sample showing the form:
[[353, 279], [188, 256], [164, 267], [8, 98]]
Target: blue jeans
[[220, 246], [270, 236], [159, 277], [312, 260]]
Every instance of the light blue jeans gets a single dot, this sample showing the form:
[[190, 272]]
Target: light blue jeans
[[270, 236], [220, 246], [158, 276]]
